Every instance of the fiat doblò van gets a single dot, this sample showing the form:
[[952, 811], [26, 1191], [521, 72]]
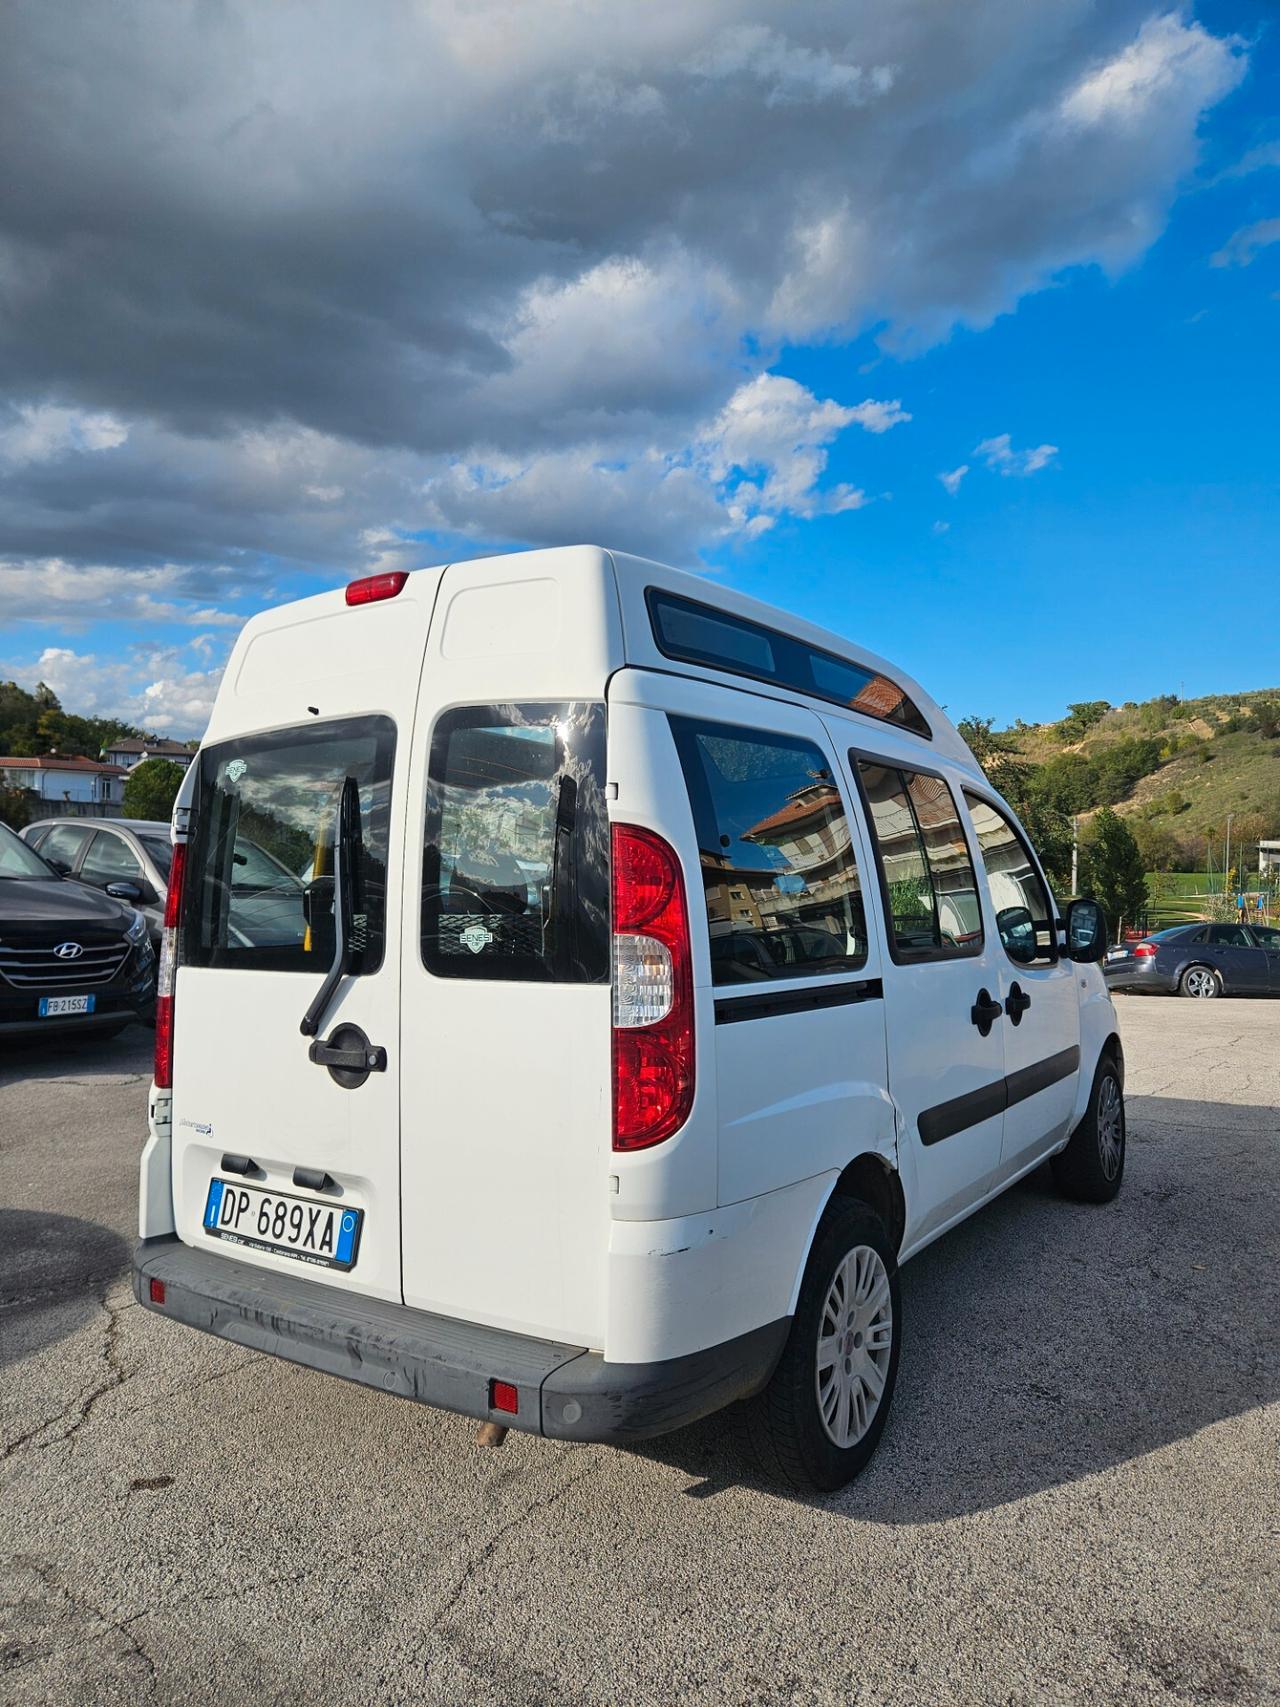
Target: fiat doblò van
[[583, 987]]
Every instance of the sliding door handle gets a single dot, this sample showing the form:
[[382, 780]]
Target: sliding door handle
[[1017, 1003], [984, 1013]]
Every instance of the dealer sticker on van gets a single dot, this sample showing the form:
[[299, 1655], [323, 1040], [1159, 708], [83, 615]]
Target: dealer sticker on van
[[321, 1233]]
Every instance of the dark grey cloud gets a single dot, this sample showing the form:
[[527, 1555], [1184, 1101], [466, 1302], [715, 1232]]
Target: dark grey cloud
[[488, 266]]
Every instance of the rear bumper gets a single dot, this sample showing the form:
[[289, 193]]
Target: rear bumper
[[566, 1392], [1130, 978]]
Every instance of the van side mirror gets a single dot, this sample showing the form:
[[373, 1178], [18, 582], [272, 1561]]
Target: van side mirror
[[1086, 929]]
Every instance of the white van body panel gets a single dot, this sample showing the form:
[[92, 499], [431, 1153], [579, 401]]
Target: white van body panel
[[681, 1286]]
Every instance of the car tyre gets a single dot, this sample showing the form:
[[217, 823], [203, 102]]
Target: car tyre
[[1091, 1167], [1201, 983], [817, 1423]]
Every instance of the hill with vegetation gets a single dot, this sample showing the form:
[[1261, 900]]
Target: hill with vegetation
[[1172, 769]]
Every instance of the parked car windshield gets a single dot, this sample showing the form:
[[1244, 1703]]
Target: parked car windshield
[[18, 860]]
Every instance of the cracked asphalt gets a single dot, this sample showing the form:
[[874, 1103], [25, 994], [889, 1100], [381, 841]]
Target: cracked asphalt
[[1076, 1499]]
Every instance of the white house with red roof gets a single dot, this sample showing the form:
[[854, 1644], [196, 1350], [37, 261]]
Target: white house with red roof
[[67, 783]]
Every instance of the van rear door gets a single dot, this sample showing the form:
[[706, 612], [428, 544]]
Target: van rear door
[[281, 1160]]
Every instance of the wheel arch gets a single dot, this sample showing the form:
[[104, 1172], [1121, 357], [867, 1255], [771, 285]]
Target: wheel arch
[[871, 1178]]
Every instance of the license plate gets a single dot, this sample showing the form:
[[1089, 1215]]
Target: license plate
[[322, 1233], [1117, 954], [52, 1006]]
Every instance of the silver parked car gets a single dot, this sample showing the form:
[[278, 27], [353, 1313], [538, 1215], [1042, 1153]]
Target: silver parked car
[[1198, 960]]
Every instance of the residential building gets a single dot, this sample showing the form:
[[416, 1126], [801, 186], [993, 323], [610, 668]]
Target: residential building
[[67, 784], [128, 751]]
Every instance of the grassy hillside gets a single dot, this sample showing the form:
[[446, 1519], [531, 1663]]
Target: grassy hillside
[[1173, 768]]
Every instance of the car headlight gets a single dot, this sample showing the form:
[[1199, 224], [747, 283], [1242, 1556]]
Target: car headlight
[[138, 929]]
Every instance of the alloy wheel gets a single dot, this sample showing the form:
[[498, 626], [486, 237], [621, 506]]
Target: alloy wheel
[[1199, 981], [855, 1341], [1110, 1127]]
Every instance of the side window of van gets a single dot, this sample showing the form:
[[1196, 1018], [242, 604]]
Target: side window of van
[[515, 879], [931, 893], [1024, 916], [779, 875]]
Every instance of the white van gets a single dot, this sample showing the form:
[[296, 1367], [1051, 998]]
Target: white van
[[584, 987]]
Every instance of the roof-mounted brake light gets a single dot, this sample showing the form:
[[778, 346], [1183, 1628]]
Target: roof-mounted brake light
[[374, 587]]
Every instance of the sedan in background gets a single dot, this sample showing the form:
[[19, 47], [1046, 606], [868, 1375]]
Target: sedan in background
[[70, 959], [1200, 961], [125, 857]]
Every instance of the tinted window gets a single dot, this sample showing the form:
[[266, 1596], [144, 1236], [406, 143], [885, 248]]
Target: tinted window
[[1024, 917], [778, 869], [930, 888], [110, 860], [516, 851], [1267, 935], [1229, 936], [63, 845], [260, 888], [700, 634]]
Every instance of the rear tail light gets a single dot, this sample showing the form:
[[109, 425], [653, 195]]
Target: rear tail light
[[169, 945], [1144, 951], [653, 1055], [374, 587]]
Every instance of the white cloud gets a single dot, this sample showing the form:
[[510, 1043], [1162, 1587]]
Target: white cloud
[[39, 432], [942, 527], [998, 453], [151, 688], [1169, 61], [951, 479], [761, 458], [878, 417], [1241, 247]]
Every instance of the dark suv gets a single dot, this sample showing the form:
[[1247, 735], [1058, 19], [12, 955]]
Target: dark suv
[[71, 959]]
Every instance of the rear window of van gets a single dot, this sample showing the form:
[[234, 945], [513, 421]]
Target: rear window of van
[[259, 891], [516, 845]]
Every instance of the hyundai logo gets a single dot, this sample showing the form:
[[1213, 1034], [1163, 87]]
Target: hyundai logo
[[68, 951]]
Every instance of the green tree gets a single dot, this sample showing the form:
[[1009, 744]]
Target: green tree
[[151, 788], [15, 807], [1113, 869], [1159, 848], [1081, 717]]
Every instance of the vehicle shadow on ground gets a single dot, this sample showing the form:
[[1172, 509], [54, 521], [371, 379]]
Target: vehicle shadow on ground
[[1046, 1340], [53, 1269]]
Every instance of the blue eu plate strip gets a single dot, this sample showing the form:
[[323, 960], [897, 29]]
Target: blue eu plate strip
[[346, 1235], [214, 1206]]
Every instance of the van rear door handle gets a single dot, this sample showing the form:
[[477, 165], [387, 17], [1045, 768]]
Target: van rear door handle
[[349, 1056], [1017, 1003], [984, 1013]]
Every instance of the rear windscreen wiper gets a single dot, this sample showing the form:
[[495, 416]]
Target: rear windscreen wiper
[[345, 844]]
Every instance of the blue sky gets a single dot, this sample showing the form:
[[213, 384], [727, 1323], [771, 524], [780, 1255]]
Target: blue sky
[[1113, 345]]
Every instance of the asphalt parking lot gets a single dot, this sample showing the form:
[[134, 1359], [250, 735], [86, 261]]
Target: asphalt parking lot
[[1076, 1499]]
